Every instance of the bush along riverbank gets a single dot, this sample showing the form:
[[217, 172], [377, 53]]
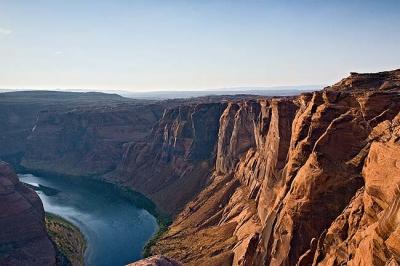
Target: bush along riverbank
[[68, 239], [141, 201]]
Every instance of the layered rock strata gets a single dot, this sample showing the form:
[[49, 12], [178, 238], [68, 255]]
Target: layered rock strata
[[19, 111], [309, 180], [171, 164], [86, 141]]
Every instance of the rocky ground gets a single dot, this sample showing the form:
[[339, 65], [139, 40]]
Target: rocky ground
[[156, 261]]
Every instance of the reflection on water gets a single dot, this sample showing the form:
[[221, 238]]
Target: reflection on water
[[115, 229], [48, 191]]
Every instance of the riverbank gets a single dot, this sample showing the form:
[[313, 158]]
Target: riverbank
[[68, 239]]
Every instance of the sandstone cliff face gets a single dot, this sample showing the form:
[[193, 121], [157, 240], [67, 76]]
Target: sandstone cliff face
[[86, 141], [223, 219], [367, 231], [305, 180], [169, 166], [23, 236]]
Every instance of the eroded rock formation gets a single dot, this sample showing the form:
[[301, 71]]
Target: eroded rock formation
[[304, 180], [23, 236], [171, 164]]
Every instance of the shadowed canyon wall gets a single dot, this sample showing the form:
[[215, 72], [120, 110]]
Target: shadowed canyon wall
[[171, 164], [23, 236], [85, 141], [73, 134]]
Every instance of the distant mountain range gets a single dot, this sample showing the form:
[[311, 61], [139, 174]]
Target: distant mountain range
[[263, 91]]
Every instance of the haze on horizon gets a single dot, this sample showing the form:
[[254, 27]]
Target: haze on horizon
[[183, 45]]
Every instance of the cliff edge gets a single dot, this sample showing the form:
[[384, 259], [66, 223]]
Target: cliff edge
[[308, 180], [23, 236]]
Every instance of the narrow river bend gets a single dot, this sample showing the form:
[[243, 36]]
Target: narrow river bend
[[115, 229]]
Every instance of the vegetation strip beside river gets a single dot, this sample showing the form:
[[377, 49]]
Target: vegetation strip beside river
[[141, 201], [68, 239]]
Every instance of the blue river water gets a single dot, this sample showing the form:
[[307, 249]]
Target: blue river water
[[115, 229]]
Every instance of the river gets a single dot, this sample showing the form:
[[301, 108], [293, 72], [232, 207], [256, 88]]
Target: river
[[115, 229]]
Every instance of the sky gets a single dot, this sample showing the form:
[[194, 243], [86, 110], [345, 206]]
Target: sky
[[144, 45]]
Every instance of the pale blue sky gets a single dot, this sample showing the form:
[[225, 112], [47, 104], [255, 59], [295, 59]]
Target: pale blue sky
[[198, 44]]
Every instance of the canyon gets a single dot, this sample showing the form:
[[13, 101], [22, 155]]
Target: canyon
[[311, 179]]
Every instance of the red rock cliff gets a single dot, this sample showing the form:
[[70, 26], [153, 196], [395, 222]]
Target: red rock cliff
[[305, 180], [171, 164], [23, 236]]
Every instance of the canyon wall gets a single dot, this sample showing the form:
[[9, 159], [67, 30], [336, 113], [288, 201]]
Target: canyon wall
[[19, 111], [171, 164], [71, 133], [16, 123], [308, 180], [23, 236], [86, 141]]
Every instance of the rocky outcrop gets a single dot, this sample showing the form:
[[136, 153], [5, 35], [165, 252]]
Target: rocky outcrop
[[304, 180], [23, 236], [367, 231], [156, 261]]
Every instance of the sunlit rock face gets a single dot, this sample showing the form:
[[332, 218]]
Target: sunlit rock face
[[367, 231], [307, 180], [23, 236], [171, 164]]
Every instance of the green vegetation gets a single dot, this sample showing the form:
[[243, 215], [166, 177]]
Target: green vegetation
[[68, 239], [141, 201], [163, 228]]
